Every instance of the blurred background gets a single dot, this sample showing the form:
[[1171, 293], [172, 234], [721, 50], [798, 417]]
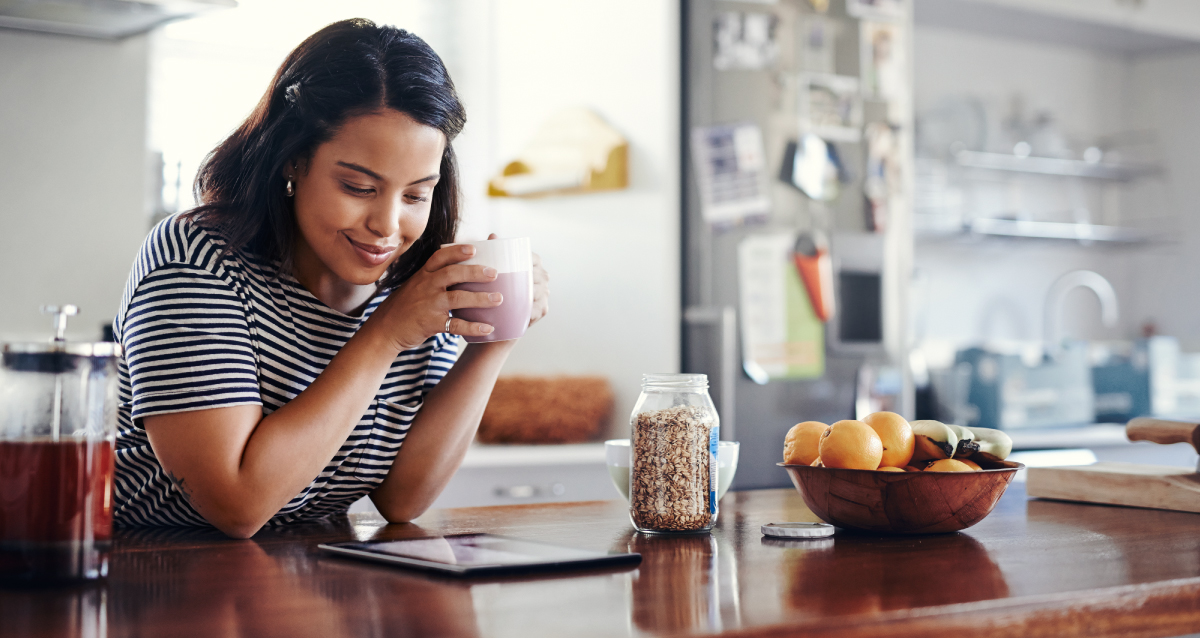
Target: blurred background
[[980, 211]]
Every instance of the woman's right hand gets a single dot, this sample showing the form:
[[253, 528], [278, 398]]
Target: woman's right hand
[[418, 309]]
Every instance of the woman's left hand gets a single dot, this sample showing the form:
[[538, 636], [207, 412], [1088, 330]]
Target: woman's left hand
[[541, 291]]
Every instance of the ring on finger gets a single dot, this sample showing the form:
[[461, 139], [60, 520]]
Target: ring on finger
[[448, 320]]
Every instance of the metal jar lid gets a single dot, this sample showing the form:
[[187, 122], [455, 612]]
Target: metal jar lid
[[56, 355], [798, 530]]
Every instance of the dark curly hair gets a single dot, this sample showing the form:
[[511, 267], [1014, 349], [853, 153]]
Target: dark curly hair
[[348, 68]]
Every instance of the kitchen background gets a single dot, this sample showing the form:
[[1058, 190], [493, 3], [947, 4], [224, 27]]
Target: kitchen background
[[1031, 139]]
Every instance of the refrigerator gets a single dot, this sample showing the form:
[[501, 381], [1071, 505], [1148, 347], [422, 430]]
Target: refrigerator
[[797, 140]]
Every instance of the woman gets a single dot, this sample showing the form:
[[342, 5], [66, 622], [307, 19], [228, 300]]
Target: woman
[[288, 344]]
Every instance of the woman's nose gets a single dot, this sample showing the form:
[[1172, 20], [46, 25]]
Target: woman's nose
[[384, 217]]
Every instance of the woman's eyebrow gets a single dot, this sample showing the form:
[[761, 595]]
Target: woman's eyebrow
[[367, 171], [362, 169], [425, 179]]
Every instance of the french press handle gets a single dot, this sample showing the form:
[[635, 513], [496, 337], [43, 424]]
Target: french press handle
[[60, 319]]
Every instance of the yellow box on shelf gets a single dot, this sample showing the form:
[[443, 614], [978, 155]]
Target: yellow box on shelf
[[575, 151]]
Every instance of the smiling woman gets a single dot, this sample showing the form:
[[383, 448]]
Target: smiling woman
[[288, 343]]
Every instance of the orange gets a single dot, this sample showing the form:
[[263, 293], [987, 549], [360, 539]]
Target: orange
[[948, 465], [897, 437], [890, 469], [972, 464], [817, 463], [851, 445], [800, 445]]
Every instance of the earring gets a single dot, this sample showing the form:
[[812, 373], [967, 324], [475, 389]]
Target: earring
[[289, 189]]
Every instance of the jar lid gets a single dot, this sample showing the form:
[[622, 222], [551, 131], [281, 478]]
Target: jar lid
[[674, 381], [56, 355], [798, 530], [74, 348]]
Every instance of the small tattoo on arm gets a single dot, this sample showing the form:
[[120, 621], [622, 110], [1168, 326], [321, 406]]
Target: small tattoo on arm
[[180, 485]]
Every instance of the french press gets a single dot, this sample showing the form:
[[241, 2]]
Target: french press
[[58, 407]]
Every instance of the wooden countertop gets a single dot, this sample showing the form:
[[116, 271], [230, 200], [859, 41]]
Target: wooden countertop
[[1032, 568]]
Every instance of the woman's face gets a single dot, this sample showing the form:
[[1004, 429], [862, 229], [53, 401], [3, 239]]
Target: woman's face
[[364, 196]]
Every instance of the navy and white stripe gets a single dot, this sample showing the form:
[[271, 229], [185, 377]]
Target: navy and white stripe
[[201, 330]]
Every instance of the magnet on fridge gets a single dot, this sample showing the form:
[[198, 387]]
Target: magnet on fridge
[[811, 256]]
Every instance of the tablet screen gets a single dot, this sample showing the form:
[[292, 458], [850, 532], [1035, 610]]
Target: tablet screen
[[475, 550]]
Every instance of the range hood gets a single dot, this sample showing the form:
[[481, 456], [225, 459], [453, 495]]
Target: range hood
[[106, 19]]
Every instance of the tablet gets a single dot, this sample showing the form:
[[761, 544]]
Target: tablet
[[472, 554]]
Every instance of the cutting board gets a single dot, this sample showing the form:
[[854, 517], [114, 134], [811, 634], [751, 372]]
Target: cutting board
[[1134, 485]]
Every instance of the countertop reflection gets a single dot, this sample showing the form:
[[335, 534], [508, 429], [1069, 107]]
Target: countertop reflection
[[1062, 568]]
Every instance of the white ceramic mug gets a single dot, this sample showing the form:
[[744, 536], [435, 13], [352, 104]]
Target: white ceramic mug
[[513, 261]]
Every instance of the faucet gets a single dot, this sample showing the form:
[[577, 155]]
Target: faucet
[[1052, 320]]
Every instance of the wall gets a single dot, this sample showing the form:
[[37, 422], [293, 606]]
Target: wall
[[72, 177], [613, 258], [995, 290], [1165, 91]]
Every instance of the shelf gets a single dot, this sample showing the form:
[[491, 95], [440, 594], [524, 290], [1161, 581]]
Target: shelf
[[1057, 230], [1053, 166], [1063, 231]]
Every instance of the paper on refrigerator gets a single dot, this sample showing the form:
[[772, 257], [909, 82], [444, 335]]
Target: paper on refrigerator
[[782, 338], [730, 166]]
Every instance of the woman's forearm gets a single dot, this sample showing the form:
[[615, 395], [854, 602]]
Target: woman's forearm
[[294, 444], [238, 468], [440, 434]]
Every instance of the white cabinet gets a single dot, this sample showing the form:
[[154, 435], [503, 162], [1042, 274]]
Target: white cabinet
[[515, 474]]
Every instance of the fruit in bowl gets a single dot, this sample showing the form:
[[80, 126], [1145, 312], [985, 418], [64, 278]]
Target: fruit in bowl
[[885, 474]]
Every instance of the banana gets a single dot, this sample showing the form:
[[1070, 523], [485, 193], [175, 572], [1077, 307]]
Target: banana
[[933, 440], [993, 443], [967, 445]]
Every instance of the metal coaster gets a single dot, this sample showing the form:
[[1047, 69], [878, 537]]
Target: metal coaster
[[798, 530]]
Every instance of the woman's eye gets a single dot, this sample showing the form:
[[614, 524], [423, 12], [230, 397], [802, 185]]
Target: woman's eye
[[355, 190], [416, 199]]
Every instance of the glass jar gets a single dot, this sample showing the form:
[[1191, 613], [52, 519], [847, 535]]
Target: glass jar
[[58, 407], [673, 473]]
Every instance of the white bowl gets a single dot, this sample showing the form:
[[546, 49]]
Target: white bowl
[[618, 457]]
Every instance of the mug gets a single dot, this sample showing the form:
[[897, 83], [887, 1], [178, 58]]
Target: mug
[[618, 457], [513, 261]]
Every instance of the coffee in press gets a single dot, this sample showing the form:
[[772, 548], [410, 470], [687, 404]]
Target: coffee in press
[[57, 434]]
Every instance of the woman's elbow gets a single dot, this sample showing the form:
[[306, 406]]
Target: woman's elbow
[[399, 512], [236, 524], [238, 531], [401, 515]]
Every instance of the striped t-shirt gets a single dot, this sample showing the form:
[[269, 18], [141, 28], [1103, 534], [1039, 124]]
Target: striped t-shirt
[[203, 330]]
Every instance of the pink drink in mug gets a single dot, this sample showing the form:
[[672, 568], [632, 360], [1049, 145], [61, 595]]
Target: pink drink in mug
[[513, 261]]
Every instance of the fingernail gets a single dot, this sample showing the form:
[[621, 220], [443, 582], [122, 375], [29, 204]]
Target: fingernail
[[495, 296], [486, 329], [468, 249], [489, 272]]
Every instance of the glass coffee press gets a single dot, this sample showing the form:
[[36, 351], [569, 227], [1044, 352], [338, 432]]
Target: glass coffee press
[[58, 407]]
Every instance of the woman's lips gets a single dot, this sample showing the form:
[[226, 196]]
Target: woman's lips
[[372, 254]]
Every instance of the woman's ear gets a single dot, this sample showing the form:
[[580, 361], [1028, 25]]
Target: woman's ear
[[294, 168]]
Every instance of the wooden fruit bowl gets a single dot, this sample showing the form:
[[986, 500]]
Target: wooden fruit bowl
[[902, 503]]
